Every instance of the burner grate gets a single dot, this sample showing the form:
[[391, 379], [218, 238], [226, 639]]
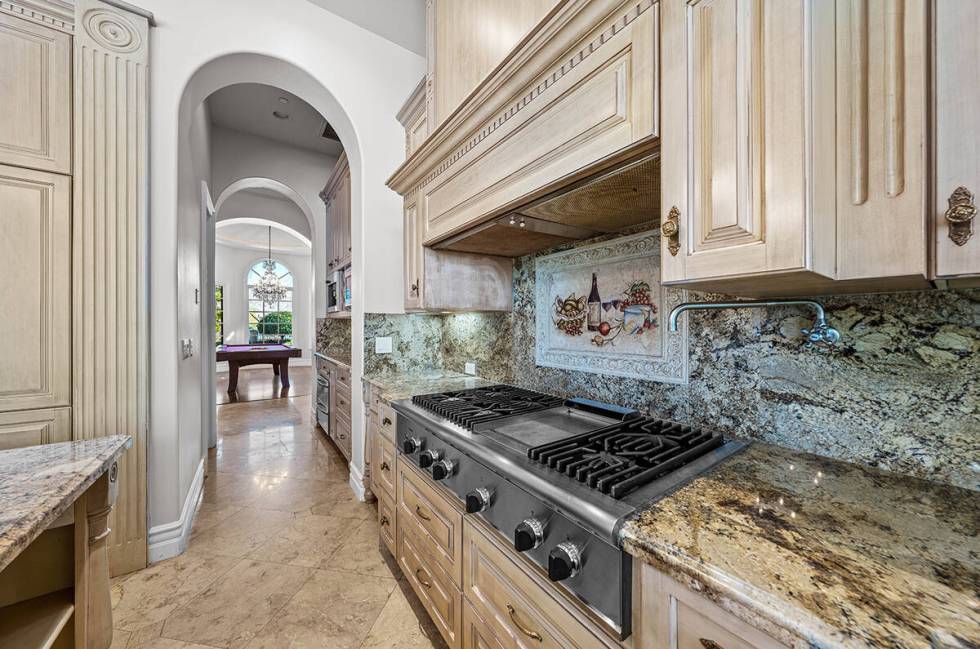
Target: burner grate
[[467, 408], [620, 458]]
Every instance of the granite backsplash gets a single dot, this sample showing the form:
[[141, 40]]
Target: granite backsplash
[[422, 342], [333, 336], [901, 391]]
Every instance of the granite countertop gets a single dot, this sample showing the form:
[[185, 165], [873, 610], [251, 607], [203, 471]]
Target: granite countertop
[[340, 358], [403, 386], [38, 483], [823, 553]]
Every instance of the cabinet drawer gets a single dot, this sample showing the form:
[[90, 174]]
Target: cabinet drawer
[[675, 617], [384, 466], [520, 608], [386, 521], [432, 516], [387, 421], [343, 378], [341, 400], [439, 595], [374, 401], [477, 633]]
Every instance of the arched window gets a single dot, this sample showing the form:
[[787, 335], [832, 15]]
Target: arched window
[[270, 323]]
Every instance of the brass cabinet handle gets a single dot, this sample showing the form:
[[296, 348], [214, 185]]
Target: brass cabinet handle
[[960, 214], [384, 521], [534, 635], [385, 467], [415, 287], [418, 575], [670, 229], [709, 644], [421, 514], [386, 422]]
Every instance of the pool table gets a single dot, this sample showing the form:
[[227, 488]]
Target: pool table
[[242, 355]]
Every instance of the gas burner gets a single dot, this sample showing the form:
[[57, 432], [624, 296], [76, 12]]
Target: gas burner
[[617, 459], [467, 408]]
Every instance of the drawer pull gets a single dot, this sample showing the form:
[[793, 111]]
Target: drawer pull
[[421, 514], [418, 575], [386, 422], [534, 635], [384, 521], [385, 467], [709, 644]]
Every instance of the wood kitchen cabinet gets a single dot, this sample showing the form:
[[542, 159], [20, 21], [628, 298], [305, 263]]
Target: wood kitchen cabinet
[[36, 79], [336, 196], [793, 150], [956, 148]]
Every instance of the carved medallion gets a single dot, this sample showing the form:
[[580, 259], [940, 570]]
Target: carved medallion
[[112, 31]]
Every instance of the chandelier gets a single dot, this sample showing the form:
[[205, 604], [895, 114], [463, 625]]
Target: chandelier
[[269, 289]]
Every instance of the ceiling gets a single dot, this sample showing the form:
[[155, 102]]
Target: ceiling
[[400, 21], [249, 107], [253, 236]]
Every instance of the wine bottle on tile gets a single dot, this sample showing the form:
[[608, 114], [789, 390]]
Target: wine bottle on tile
[[595, 306]]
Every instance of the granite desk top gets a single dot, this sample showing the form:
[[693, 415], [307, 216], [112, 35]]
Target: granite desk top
[[822, 553], [404, 386], [39, 483], [340, 358]]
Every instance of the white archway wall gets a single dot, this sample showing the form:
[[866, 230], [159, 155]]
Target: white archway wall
[[247, 205], [231, 266], [301, 48]]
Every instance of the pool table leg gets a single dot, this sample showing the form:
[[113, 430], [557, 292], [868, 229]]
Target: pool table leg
[[232, 376], [284, 372], [275, 368]]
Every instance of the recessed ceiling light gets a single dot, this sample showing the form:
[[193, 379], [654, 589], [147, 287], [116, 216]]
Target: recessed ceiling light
[[280, 115], [284, 100]]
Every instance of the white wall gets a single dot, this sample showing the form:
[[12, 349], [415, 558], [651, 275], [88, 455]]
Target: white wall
[[231, 270], [238, 155], [356, 80], [246, 204]]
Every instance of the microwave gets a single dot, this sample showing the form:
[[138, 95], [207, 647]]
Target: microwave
[[347, 289], [335, 292]]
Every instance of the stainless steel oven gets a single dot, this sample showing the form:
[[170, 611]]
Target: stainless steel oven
[[323, 401]]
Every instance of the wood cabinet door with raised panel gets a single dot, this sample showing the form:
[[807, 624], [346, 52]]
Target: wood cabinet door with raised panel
[[413, 258], [34, 427], [35, 296], [35, 78], [953, 220], [733, 136]]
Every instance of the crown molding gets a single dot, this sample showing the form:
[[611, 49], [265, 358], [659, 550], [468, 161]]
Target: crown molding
[[59, 14]]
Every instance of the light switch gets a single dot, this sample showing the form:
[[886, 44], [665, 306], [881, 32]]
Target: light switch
[[382, 345], [470, 368], [186, 347]]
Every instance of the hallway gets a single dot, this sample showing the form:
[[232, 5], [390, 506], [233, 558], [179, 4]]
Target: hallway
[[277, 535]]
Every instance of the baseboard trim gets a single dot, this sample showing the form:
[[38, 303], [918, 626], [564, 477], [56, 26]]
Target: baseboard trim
[[170, 539], [357, 485]]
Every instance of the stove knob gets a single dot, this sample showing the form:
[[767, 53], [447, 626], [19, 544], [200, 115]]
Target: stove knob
[[411, 444], [426, 458], [478, 500], [528, 535], [443, 469], [564, 561]]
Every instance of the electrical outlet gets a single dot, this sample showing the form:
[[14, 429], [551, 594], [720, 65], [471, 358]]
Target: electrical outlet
[[382, 345], [470, 368]]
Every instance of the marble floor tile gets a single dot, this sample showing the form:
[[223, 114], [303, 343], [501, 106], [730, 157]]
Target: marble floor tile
[[331, 610], [237, 606], [281, 554]]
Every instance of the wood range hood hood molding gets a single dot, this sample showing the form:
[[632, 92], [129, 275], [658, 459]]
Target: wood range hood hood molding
[[544, 137]]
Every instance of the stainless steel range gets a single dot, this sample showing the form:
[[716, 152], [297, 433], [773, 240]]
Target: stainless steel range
[[558, 477]]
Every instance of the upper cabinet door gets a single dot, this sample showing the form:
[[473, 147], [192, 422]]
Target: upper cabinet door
[[35, 78], [733, 137], [34, 244], [957, 139]]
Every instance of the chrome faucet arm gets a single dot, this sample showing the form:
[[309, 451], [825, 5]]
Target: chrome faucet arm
[[818, 333]]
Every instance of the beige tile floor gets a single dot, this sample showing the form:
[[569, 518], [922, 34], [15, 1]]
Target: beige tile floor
[[282, 556]]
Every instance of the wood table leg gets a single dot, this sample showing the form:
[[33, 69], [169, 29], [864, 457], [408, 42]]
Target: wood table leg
[[232, 376], [275, 368], [284, 372]]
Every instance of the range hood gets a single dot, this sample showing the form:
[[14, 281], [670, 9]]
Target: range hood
[[612, 201]]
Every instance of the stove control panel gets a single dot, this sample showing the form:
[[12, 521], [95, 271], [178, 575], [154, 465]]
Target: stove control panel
[[528, 535], [564, 561], [426, 458], [443, 469], [412, 444], [478, 500]]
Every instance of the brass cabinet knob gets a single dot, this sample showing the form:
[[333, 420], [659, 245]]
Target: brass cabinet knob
[[384, 521], [670, 229], [960, 214]]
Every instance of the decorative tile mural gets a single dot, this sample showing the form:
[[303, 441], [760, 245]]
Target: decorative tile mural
[[601, 309]]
